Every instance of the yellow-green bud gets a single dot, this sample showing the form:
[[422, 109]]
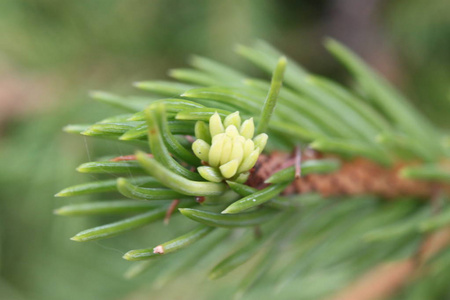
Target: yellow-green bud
[[242, 177], [226, 150], [248, 129], [233, 150], [238, 150], [232, 119], [249, 161], [231, 131], [201, 149], [215, 153], [229, 169], [249, 146], [215, 125], [261, 141], [202, 131], [210, 173]]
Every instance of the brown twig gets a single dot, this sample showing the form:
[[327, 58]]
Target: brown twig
[[298, 162], [170, 210], [355, 177], [388, 278]]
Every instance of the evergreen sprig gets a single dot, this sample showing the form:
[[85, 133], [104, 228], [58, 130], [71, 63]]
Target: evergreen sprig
[[304, 237]]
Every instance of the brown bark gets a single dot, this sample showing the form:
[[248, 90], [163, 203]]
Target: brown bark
[[358, 176]]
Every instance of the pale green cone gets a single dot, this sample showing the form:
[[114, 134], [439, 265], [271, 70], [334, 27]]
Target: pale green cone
[[232, 151]]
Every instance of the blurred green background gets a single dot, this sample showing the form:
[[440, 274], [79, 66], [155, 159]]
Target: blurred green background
[[53, 52]]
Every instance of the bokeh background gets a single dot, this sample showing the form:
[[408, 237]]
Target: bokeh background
[[53, 52]]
